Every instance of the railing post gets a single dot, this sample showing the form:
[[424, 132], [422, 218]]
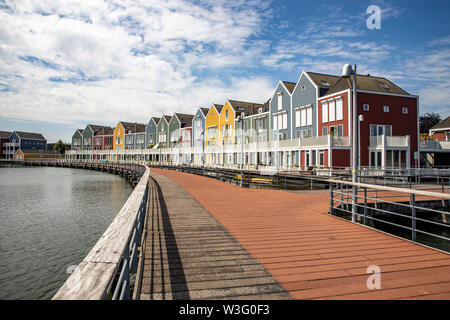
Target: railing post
[[365, 206], [413, 216], [331, 199]]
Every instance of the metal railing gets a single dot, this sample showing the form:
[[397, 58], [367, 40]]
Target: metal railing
[[421, 215], [105, 273]]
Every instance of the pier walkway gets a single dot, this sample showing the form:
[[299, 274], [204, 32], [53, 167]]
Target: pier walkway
[[189, 255], [246, 243]]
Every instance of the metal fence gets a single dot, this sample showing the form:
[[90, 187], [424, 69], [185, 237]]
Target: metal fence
[[421, 215]]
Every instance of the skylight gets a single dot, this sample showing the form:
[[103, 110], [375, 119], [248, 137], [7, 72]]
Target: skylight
[[384, 85]]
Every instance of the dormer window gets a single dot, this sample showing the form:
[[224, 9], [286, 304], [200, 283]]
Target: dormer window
[[384, 85], [325, 83]]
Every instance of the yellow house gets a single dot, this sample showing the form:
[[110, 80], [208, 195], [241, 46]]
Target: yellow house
[[231, 110], [212, 129], [119, 137]]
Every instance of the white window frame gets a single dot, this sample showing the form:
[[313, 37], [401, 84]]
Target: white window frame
[[280, 100], [331, 110], [366, 107], [324, 111], [339, 109], [386, 108]]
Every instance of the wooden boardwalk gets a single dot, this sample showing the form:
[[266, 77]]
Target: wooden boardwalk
[[311, 254], [189, 255]]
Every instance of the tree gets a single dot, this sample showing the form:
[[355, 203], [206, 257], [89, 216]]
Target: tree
[[60, 147], [428, 120]]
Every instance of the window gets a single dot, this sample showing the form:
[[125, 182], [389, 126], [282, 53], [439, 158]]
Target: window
[[309, 116], [297, 118], [325, 131], [385, 108], [331, 111], [280, 101], [405, 110], [226, 115], [339, 110], [331, 131], [321, 158], [275, 122], [365, 107], [303, 87], [340, 130], [285, 121], [307, 133], [324, 112]]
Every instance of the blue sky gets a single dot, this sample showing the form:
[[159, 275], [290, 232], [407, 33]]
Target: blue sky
[[64, 64]]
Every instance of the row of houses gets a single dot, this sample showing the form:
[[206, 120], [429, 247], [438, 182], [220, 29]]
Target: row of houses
[[19, 145], [303, 124]]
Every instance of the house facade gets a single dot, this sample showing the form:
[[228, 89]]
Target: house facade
[[4, 139], [163, 131], [387, 121], [151, 138], [24, 141], [281, 111], [212, 129], [178, 121], [77, 140], [199, 133]]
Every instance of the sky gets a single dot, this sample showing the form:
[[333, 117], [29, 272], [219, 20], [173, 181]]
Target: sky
[[65, 64]]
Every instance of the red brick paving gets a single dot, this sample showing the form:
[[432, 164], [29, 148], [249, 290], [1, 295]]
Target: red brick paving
[[314, 255]]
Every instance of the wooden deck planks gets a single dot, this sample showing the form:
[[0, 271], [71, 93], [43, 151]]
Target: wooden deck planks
[[314, 255], [189, 255]]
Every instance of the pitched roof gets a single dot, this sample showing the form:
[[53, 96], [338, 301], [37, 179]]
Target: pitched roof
[[107, 131], [205, 111], [133, 127], [30, 135], [185, 119], [367, 83], [218, 107], [5, 134], [444, 124], [168, 118], [156, 119], [323, 80], [248, 107], [289, 85], [97, 129]]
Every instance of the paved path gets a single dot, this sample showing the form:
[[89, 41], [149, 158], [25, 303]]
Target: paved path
[[314, 255], [189, 255]]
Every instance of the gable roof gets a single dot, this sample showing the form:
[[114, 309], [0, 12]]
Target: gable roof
[[290, 86], [106, 131], [366, 83], [204, 111], [167, 118], [30, 135], [444, 124], [218, 108], [185, 119], [97, 129], [322, 80], [5, 134], [249, 108], [133, 127], [155, 119]]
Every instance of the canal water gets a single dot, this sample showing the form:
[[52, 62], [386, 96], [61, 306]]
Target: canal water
[[50, 218]]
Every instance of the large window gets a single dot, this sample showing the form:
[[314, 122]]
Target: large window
[[339, 110], [324, 112], [380, 129], [280, 121], [303, 116], [331, 111]]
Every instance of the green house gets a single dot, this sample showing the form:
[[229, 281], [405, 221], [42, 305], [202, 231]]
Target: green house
[[163, 131]]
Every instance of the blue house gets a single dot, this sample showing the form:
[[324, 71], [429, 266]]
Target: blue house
[[198, 126], [281, 111], [309, 88], [25, 141], [151, 130]]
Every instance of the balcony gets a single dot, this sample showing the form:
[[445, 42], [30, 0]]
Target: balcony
[[389, 141], [12, 144], [434, 145]]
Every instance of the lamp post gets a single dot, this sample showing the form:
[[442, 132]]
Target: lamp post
[[241, 120], [346, 72]]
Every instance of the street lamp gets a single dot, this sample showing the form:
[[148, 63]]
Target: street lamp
[[346, 72]]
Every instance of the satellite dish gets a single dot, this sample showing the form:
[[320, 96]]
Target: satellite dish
[[346, 70]]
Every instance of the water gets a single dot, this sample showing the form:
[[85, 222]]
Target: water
[[50, 218]]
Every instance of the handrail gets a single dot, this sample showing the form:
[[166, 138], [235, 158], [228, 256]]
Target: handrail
[[94, 276], [394, 189]]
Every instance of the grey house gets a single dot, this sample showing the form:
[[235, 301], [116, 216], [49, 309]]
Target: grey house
[[280, 111], [134, 135], [151, 132], [89, 133], [198, 126], [309, 88], [77, 140]]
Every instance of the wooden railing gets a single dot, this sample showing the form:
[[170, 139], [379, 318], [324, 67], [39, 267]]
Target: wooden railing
[[115, 254]]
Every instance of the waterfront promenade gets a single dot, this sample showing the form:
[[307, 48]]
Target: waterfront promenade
[[312, 255]]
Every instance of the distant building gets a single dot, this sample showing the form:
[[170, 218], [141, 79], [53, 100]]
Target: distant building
[[24, 141], [4, 139], [441, 131], [35, 154]]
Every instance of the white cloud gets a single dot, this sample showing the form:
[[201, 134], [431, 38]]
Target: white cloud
[[104, 61]]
